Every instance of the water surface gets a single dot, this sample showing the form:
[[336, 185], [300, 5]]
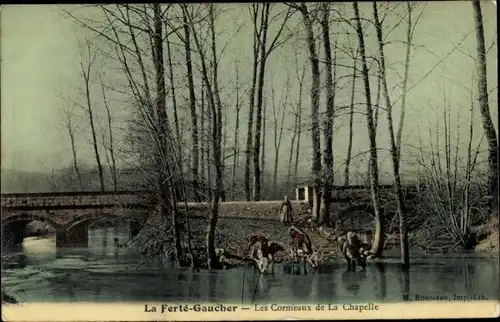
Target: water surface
[[38, 272]]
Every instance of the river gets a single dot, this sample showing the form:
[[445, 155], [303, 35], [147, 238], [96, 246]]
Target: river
[[38, 272]]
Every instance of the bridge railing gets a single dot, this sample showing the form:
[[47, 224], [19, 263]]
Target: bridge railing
[[71, 199]]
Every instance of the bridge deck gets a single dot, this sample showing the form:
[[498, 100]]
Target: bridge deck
[[134, 199], [72, 200]]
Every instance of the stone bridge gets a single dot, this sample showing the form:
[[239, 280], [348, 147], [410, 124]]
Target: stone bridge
[[70, 213]]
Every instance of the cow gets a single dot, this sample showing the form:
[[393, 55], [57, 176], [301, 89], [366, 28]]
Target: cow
[[262, 252], [301, 247], [354, 251]]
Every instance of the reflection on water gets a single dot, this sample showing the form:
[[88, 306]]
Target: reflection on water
[[38, 271]]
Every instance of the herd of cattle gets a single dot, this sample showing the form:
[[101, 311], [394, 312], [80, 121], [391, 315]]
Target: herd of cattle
[[262, 251]]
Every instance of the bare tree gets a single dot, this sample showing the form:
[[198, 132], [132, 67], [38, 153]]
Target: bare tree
[[263, 144], [173, 88], [220, 162], [151, 136], [110, 147], [395, 147], [87, 60], [266, 21], [296, 128], [216, 134], [204, 149], [278, 122], [378, 240], [236, 148], [260, 90], [192, 102], [251, 112], [451, 201], [68, 111], [351, 120], [208, 149], [315, 126], [163, 130], [329, 115], [488, 126], [298, 115]]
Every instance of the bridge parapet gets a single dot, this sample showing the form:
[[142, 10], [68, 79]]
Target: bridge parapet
[[56, 200], [354, 192]]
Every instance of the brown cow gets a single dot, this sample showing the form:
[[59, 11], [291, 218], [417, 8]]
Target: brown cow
[[354, 251], [301, 246], [262, 252]]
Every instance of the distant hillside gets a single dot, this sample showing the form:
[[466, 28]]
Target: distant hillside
[[24, 181], [18, 181]]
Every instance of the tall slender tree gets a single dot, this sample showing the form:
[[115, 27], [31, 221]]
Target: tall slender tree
[[378, 241], [484, 108]]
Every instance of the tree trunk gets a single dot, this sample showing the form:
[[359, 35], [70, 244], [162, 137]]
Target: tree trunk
[[290, 156], [162, 128], [351, 121], [376, 110], [174, 97], [378, 242], [329, 117], [208, 150], [219, 161], [299, 126], [488, 126], [315, 126], [260, 91], [73, 150], [86, 76], [203, 141], [395, 156], [249, 144], [110, 138], [263, 155], [278, 134], [236, 149], [216, 138], [405, 252], [296, 134], [192, 107]]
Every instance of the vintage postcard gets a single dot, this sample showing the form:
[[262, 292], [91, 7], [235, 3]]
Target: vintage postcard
[[249, 161]]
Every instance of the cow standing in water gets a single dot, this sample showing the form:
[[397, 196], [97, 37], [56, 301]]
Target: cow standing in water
[[286, 212], [262, 252], [302, 247], [354, 252]]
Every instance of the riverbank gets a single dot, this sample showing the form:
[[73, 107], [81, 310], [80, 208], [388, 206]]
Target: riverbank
[[491, 241], [238, 220]]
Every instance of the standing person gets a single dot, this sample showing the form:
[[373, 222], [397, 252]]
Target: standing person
[[286, 212]]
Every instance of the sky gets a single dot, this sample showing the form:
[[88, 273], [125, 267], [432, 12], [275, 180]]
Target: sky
[[40, 74]]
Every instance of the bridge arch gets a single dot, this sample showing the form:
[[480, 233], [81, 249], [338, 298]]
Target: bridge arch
[[27, 218], [89, 218], [357, 222], [14, 227]]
